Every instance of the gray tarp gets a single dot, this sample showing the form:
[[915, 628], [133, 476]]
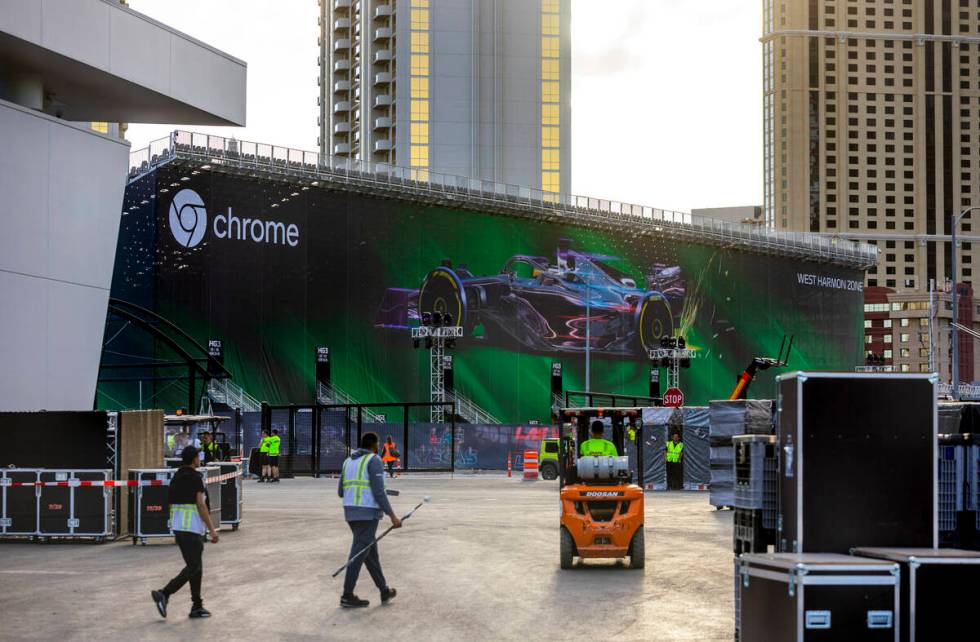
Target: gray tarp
[[729, 418], [658, 424]]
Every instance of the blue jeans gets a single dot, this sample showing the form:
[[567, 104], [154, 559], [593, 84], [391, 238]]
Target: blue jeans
[[364, 533]]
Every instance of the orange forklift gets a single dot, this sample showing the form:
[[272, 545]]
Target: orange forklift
[[601, 506]]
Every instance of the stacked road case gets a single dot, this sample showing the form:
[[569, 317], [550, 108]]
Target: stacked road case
[[855, 466], [231, 495], [149, 505], [929, 579], [66, 510], [756, 492], [857, 457], [817, 596], [959, 520], [20, 503]]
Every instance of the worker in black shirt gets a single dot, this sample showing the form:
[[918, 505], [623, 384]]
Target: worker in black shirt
[[189, 517]]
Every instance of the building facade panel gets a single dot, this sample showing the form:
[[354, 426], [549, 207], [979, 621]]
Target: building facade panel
[[480, 89], [871, 123]]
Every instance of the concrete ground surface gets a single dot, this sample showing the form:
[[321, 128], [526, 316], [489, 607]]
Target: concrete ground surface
[[478, 563]]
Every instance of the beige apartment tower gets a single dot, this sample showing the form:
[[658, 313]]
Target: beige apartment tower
[[872, 129], [477, 88]]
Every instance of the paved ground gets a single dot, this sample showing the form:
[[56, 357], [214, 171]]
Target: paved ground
[[479, 562]]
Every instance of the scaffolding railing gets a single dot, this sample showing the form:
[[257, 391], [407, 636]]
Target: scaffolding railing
[[313, 170], [331, 395], [224, 391], [469, 411]]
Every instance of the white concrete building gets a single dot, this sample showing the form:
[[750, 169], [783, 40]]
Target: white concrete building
[[463, 87], [61, 182]]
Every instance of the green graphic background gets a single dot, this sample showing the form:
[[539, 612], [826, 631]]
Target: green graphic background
[[272, 305]]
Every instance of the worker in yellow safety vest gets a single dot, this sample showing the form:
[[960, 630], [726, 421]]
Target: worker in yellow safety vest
[[597, 446], [274, 442], [675, 462], [362, 488], [264, 457], [190, 519]]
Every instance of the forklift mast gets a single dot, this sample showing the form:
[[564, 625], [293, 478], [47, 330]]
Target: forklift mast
[[579, 422]]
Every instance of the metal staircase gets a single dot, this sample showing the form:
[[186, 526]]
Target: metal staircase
[[469, 411], [333, 396], [226, 392]]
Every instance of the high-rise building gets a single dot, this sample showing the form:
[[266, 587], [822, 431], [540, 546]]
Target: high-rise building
[[477, 89], [872, 129]]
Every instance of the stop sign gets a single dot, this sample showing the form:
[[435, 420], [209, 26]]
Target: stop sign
[[673, 398]]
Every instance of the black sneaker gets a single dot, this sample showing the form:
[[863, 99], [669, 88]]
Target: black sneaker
[[351, 601], [388, 595], [261, 480], [199, 611], [161, 601]]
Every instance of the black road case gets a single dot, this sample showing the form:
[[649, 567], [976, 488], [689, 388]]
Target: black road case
[[19, 510], [231, 495], [210, 473], [931, 580], [799, 597], [149, 506], [857, 461], [74, 510]]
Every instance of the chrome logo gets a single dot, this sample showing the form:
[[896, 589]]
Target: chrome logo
[[188, 218]]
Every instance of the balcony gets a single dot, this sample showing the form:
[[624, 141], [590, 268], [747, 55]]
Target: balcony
[[341, 86], [383, 100], [341, 4], [383, 145], [341, 128], [383, 55], [383, 11], [341, 23], [341, 65], [341, 148], [382, 78], [383, 33], [341, 106], [382, 123], [341, 44]]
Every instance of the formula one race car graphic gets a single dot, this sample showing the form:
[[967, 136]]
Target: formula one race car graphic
[[543, 306]]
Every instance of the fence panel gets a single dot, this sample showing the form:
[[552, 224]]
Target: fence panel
[[334, 427]]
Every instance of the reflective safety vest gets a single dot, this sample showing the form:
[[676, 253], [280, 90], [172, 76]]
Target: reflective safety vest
[[674, 451], [184, 517], [171, 440], [264, 445], [274, 445], [598, 448], [357, 484]]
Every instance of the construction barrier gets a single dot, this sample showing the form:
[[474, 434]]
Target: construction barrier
[[530, 465]]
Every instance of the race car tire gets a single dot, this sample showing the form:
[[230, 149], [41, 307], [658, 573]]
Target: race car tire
[[442, 291], [653, 321]]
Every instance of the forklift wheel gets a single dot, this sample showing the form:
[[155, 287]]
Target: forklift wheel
[[638, 555], [567, 549], [549, 471]]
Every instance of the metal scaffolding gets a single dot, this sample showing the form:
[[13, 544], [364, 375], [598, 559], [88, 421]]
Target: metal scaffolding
[[310, 170]]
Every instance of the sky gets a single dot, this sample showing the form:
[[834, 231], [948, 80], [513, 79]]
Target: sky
[[666, 94]]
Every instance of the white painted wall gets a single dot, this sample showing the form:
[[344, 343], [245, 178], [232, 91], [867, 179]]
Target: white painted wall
[[61, 191]]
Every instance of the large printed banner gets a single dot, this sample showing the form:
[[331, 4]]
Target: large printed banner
[[274, 270]]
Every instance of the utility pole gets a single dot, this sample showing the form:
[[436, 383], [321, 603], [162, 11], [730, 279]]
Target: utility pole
[[956, 312]]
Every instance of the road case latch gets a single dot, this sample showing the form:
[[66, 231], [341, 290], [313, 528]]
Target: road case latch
[[818, 619], [73, 523], [879, 619]]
